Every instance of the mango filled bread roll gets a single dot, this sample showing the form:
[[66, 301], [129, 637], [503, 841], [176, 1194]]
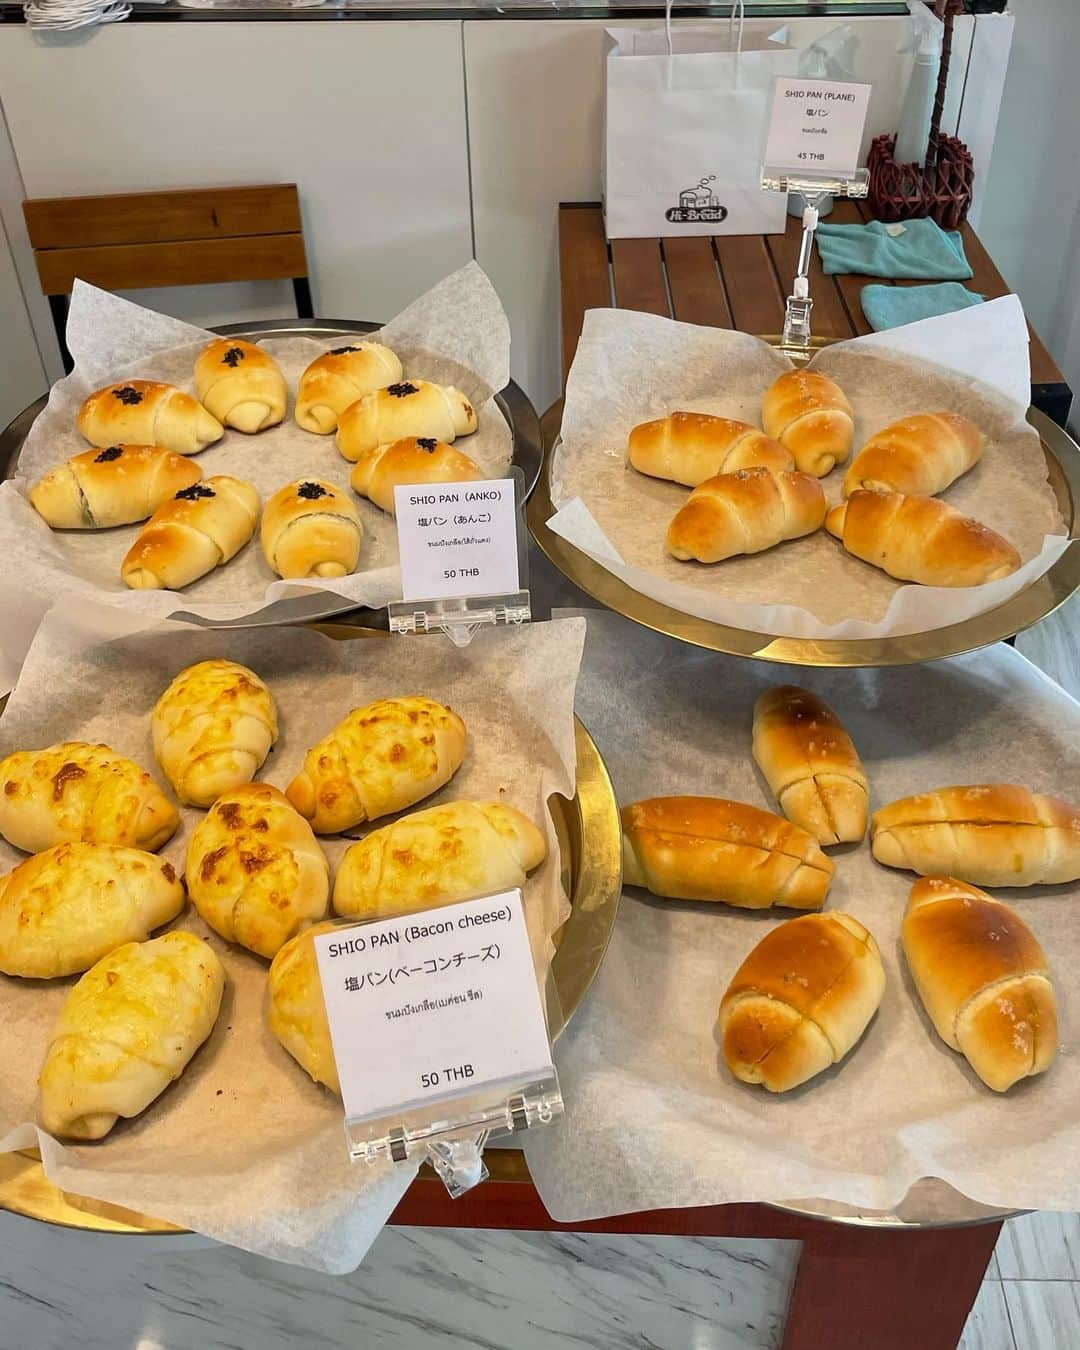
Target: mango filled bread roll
[[197, 530], [311, 528], [983, 980], [992, 834], [147, 412], [382, 758], [212, 729], [689, 447], [918, 455], [78, 793], [64, 909], [745, 512], [406, 408], [116, 486], [339, 377], [296, 1013], [810, 416], [240, 384], [126, 1031], [255, 871], [437, 857], [708, 848], [416, 459]]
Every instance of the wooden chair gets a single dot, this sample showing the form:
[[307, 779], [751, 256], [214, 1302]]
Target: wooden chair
[[135, 240]]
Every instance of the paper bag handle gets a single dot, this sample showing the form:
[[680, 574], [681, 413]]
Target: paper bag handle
[[739, 6]]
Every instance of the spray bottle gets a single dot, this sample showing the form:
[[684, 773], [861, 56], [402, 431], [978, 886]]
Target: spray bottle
[[913, 136], [831, 57]]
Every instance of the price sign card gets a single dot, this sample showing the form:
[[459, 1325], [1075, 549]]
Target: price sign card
[[457, 539], [816, 126]]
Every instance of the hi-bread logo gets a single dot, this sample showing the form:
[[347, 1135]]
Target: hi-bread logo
[[697, 204]]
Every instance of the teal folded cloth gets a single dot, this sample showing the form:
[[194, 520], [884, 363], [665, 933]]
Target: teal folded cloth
[[922, 252], [893, 306]]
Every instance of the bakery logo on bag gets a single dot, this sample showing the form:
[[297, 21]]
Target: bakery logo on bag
[[697, 204]]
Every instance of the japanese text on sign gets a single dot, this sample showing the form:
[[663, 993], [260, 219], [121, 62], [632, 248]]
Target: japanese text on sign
[[816, 126], [457, 539]]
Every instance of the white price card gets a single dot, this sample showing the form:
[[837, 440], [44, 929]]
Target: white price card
[[457, 539], [816, 126]]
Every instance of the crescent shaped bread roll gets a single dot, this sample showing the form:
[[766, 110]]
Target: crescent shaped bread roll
[[689, 447], [437, 857], [918, 455], [255, 871], [339, 377], [296, 1013], [992, 834], [126, 1031], [64, 909], [78, 793], [413, 460], [240, 384], [115, 486], [379, 759], [745, 512], [810, 764], [982, 978], [212, 729], [311, 528], [406, 408], [147, 412], [809, 415], [801, 1000], [708, 848], [197, 530]]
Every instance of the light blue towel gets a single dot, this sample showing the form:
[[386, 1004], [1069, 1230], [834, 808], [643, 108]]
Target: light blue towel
[[923, 252], [893, 306]]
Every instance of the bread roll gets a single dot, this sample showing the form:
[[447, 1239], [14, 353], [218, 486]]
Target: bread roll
[[213, 728], [240, 384], [810, 764], [413, 460], [918, 455], [689, 447], [809, 415], [437, 857], [381, 758], [296, 1013], [146, 412], [311, 529], [983, 980], [920, 539], [745, 512], [78, 793], [801, 1000], [339, 377], [707, 848], [198, 530], [406, 408], [993, 834], [117, 486], [64, 909], [126, 1031]]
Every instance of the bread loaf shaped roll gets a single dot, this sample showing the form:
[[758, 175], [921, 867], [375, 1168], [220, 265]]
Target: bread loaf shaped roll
[[920, 539], [126, 1031], [213, 728], [240, 384], [116, 486], [708, 848], [982, 978], [64, 909], [993, 834], [255, 871], [689, 447], [918, 455], [745, 512], [197, 530], [437, 857], [381, 758], [78, 793], [296, 1013], [310, 528], [809, 415], [406, 408], [147, 412], [417, 459], [810, 764], [339, 377], [801, 1000]]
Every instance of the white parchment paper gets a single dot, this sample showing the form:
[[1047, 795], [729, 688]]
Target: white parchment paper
[[654, 1118], [244, 1147]]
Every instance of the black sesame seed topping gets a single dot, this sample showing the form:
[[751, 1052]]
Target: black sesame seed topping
[[194, 492], [233, 357], [127, 394], [311, 492], [106, 456], [427, 443], [342, 351], [402, 390]]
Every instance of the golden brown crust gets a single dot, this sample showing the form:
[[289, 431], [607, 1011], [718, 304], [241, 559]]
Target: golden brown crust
[[296, 1013], [147, 412], [311, 528], [338, 378], [240, 384], [408, 461], [689, 447], [745, 512], [918, 455], [403, 409], [115, 486], [810, 416], [194, 532]]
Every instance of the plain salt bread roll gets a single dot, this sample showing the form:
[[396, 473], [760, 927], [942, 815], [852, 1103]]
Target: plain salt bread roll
[[311, 529], [920, 539], [810, 764], [992, 834], [918, 455], [147, 412], [809, 415], [199, 529], [982, 978], [115, 486], [415, 460], [295, 1011], [241, 385], [745, 512], [708, 848], [689, 447], [801, 1000], [339, 377], [407, 408]]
